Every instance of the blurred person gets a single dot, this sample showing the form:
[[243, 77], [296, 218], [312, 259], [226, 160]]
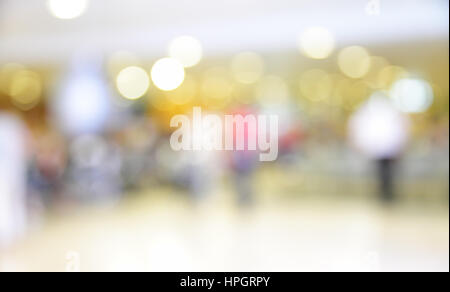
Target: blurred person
[[47, 166], [380, 132], [244, 162], [199, 169], [290, 130], [12, 178], [82, 108], [93, 173], [137, 142], [81, 103]]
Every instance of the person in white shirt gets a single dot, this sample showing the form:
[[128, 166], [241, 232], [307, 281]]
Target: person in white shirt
[[12, 179], [380, 131]]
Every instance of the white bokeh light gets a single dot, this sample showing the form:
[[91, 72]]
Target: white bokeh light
[[187, 50], [167, 74], [317, 43], [378, 129], [412, 95], [67, 9], [132, 82], [82, 103]]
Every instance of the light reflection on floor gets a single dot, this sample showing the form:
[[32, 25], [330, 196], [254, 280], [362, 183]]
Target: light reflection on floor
[[148, 234]]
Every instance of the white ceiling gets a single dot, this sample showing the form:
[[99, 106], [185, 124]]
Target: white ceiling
[[29, 33]]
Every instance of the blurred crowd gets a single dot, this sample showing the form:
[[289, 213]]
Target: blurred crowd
[[361, 120]]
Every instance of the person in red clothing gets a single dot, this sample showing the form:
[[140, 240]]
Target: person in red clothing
[[244, 162]]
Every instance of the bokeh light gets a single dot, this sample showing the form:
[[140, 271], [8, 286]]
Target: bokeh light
[[272, 89], [132, 82], [25, 89], [187, 50], [163, 104], [7, 72], [354, 61], [167, 74], [185, 93], [317, 43], [82, 104], [412, 95], [217, 88], [67, 9], [377, 65], [351, 93], [390, 74], [247, 67], [316, 85]]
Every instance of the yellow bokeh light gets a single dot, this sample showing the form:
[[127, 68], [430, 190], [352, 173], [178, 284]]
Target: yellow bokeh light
[[390, 74], [351, 93], [247, 67], [25, 89], [167, 74], [316, 85], [354, 61], [272, 89], [217, 88], [187, 50], [162, 103], [243, 94], [132, 82], [67, 9], [377, 64], [6, 74], [317, 43], [185, 93]]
